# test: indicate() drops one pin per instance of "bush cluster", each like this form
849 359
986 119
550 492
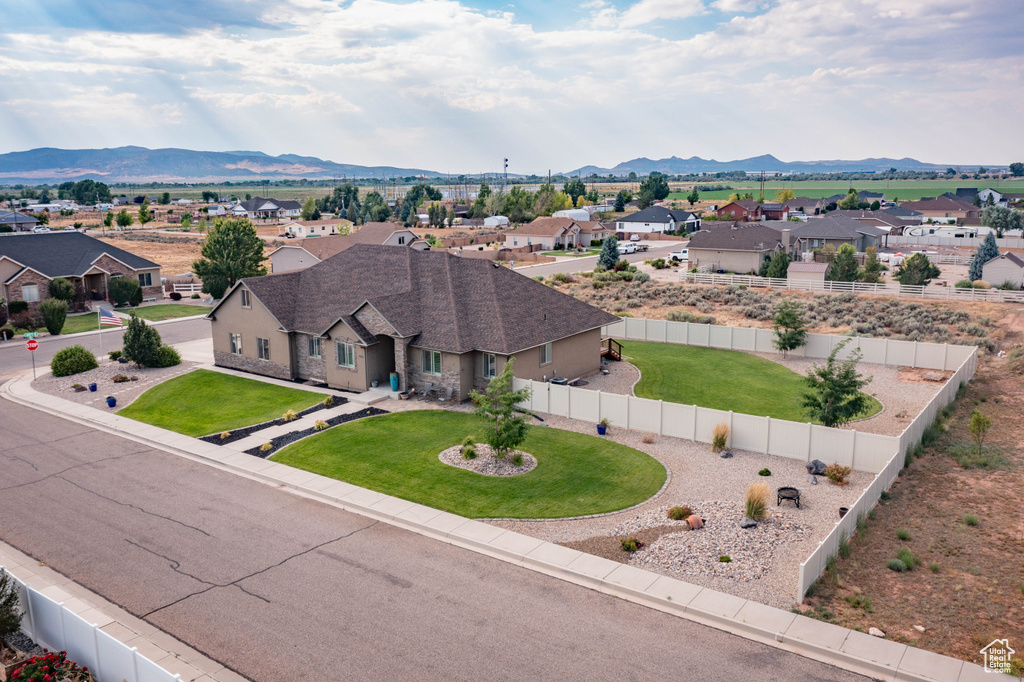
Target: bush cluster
72 360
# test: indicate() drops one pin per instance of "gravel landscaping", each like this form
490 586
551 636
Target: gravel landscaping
767 559
103 377
486 463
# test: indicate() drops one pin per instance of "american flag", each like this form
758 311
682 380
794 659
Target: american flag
109 318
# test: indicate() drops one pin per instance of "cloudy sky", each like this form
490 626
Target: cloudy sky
456 86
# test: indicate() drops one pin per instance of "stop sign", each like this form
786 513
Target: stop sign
32 344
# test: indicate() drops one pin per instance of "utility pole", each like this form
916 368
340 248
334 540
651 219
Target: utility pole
504 182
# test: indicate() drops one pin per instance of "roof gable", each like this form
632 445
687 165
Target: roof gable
65 253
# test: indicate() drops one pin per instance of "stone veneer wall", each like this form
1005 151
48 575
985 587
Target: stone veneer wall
311 368
264 367
29 277
374 322
450 375
402 363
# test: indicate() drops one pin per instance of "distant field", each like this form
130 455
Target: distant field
902 190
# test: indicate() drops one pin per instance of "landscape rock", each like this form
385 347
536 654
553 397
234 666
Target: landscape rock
816 467
919 628
812 480
934 376
875 632
746 522
725 454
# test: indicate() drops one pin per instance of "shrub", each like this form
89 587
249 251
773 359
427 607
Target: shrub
62 289
266 447
194 296
903 534
141 343
15 307
167 357
725 559
933 567
114 355
517 459
964 284
679 513
719 437
469 451
837 473
971 519
320 425
27 320
647 439
896 565
51 666
764 472
860 601
224 435
289 416
121 379
72 360
908 558
885 496
125 290
630 544
641 277
328 401
757 498
54 312
10 613
658 264
468 440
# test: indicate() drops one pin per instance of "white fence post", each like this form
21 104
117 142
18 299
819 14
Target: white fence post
661 417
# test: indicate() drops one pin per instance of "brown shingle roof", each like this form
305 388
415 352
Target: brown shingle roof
740 237
370 233
448 303
942 203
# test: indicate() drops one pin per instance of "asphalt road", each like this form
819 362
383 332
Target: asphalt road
15 358
584 264
278 587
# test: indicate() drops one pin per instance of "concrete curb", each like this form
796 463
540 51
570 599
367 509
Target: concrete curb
841 647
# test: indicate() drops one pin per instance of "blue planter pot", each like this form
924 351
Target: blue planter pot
111 402
601 430
92 387
394 381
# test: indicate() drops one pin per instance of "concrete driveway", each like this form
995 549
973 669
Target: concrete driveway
279 587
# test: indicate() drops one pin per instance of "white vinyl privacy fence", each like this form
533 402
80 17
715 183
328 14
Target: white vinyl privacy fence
56 628
968 242
877 454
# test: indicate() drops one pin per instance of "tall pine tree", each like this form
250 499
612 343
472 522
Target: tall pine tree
987 250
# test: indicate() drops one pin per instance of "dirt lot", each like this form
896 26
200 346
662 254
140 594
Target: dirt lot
976 591
175 256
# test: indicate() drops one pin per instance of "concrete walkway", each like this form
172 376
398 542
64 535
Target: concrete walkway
847 649
307 422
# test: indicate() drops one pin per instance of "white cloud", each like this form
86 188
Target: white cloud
739 5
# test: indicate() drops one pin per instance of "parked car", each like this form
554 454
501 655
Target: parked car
635 238
41 229
627 247
680 255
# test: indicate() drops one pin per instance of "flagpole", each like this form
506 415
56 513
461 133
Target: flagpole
99 319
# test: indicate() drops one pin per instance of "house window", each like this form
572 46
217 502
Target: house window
246 299
236 344
432 362
545 354
263 349
490 365
315 347
146 279
30 292
346 354
401 240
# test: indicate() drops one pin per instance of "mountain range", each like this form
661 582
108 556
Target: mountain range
138 164
695 164
48 165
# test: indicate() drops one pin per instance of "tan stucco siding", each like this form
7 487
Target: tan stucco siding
7 269
740 262
573 357
1000 270
251 323
289 258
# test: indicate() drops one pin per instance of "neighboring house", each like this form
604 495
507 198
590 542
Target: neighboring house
316 228
299 255
966 194
259 208
863 196
182 202
657 219
740 248
1006 267
997 198
17 222
216 210
774 212
944 209
742 211
429 316
28 262
805 205
812 272
551 232
835 230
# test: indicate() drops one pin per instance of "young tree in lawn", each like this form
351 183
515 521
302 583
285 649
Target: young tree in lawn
987 250
835 397
609 253
124 219
497 404
141 343
10 613
779 266
844 268
979 426
790 326
916 270
872 267
231 251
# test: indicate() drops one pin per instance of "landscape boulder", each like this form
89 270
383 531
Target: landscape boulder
816 467
725 454
746 522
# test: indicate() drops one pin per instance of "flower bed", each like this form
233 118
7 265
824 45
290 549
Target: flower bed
290 438
239 434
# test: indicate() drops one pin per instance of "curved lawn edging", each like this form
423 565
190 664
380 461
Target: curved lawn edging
397 454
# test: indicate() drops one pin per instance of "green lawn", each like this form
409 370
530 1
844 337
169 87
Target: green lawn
719 379
590 252
397 454
904 190
81 323
166 311
204 402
